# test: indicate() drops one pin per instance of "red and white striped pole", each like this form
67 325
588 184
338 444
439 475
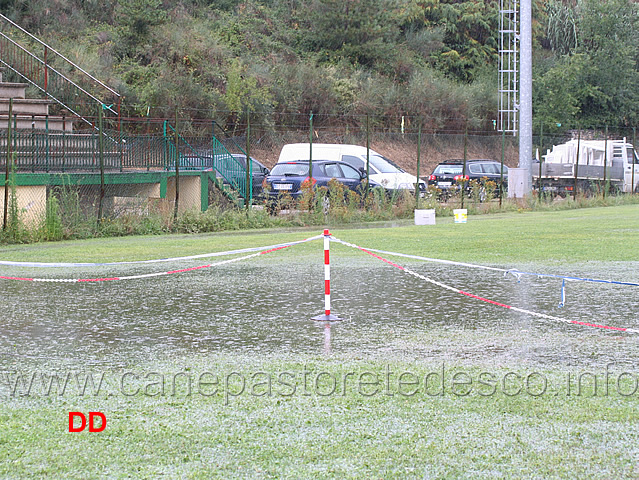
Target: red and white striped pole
327 317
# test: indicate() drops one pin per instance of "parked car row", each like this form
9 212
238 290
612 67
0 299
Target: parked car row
449 176
380 170
349 165
290 177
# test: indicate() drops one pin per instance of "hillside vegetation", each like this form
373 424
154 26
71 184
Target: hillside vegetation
342 59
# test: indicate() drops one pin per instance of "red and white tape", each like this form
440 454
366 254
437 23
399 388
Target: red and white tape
155 260
327 316
156 274
477 297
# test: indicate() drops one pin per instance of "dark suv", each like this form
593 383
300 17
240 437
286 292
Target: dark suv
447 175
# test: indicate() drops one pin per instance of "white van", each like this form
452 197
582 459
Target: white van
382 170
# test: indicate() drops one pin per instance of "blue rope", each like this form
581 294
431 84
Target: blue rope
577 279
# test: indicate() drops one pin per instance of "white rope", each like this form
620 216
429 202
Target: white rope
159 260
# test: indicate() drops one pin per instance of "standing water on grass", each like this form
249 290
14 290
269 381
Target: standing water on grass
264 306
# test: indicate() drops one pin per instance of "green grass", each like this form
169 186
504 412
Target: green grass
602 234
348 434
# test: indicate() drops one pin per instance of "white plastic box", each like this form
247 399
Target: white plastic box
425 217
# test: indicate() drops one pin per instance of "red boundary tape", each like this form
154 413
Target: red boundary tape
492 302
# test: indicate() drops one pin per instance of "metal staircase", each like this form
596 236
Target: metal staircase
55 76
28 113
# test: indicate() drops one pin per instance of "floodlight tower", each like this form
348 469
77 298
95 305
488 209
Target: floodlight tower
525 98
508 66
515 78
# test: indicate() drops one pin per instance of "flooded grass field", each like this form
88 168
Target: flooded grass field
264 306
221 373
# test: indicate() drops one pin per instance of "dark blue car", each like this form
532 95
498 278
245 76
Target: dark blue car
288 177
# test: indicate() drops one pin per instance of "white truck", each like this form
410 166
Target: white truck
593 163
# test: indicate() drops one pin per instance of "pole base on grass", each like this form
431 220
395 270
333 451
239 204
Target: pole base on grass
326 318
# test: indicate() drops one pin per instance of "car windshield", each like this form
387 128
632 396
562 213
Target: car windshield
383 164
448 170
290 169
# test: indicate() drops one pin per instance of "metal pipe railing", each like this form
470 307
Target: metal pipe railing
40 73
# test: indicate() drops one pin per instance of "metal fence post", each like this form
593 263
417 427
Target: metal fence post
33 144
574 188
368 155
46 146
634 147
177 167
605 185
541 146
419 144
165 140
310 150
501 169
463 175
15 139
6 176
120 144
101 151
146 142
249 177
64 156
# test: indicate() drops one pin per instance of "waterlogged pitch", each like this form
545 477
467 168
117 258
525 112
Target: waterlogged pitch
220 373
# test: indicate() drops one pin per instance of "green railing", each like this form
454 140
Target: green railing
208 153
48 151
35 151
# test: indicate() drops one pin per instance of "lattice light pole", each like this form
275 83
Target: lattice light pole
515 77
525 95
508 66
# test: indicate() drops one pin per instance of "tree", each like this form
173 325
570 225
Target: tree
558 92
137 17
243 93
470 36
361 31
598 75
562 27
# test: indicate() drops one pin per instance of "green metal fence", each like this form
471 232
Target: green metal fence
209 153
59 152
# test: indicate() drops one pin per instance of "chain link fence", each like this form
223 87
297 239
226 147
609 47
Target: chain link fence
62 183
